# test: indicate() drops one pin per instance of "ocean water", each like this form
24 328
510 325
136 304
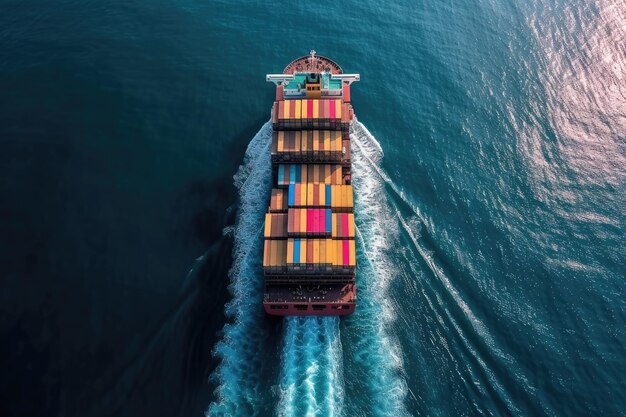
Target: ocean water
490 177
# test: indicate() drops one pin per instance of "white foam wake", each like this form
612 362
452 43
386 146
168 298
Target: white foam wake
377 352
239 386
311 380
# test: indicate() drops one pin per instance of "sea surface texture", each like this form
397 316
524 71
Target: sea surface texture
489 167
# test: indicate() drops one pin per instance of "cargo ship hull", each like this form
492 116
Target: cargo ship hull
309 254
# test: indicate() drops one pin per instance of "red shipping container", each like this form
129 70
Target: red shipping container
309 221
346 252
344 225
281 109
346 93
339 225
297 198
291 217
279 92
309 251
292 108
315 221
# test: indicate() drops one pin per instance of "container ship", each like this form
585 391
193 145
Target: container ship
309 252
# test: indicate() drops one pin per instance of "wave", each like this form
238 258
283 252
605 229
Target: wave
240 387
376 352
311 381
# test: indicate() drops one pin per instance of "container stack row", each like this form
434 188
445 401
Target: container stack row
317 254
309 227
338 197
307 146
310 114
314 173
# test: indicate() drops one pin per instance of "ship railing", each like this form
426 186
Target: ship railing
309 124
308 269
308 280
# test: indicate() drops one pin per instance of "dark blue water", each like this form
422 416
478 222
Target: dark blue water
489 167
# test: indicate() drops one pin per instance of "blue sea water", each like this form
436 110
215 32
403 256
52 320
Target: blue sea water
489 171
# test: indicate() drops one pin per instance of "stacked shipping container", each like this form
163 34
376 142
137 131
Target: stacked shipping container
310 114
312 173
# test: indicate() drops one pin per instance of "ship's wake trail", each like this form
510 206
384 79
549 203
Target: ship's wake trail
376 368
311 381
240 386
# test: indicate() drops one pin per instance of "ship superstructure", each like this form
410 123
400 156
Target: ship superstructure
309 255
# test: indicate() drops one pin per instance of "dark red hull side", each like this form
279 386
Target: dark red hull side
294 309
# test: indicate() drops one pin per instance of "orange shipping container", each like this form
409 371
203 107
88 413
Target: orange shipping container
351 225
350 196
305 109
281 109
298 108
303 221
352 253
316 108
290 251
268 225
266 253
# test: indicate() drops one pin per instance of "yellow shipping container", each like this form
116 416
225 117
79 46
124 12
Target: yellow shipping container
351 225
281 141
334 225
327 140
266 253
298 108
350 201
302 220
316 109
330 251
322 194
338 109
287 107
352 253
303 251
268 225
316 140
289 251
309 194
304 108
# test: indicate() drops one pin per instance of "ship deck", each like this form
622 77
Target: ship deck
317 63
323 293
